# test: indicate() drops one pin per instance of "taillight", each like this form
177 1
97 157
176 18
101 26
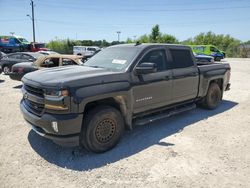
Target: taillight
17 69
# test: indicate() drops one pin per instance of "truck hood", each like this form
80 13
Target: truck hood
72 76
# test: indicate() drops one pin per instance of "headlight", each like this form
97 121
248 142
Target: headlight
57 93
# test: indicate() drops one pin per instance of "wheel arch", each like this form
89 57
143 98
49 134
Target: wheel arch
118 102
218 81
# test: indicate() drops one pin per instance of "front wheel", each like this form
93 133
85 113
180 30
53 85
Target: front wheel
213 97
102 129
217 58
6 70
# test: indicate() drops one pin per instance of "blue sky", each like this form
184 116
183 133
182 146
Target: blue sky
99 19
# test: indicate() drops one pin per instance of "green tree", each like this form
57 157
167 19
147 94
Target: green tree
144 39
166 38
129 40
155 34
224 42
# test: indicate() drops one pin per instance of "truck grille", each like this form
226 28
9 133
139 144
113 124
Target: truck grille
34 91
34 107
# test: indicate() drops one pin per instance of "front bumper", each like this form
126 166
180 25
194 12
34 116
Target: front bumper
69 126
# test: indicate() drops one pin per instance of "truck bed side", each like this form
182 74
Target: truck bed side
213 72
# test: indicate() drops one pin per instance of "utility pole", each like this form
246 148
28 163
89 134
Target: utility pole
33 21
12 33
118 33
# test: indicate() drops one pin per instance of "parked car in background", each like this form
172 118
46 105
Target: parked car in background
10 44
86 51
11 59
53 60
209 50
35 47
204 58
47 52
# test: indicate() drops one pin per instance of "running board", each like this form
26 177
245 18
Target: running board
165 114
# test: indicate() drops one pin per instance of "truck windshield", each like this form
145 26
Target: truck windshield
23 40
115 58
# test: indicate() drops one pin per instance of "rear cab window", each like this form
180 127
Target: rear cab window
181 58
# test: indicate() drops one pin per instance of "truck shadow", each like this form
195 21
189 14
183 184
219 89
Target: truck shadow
133 141
18 86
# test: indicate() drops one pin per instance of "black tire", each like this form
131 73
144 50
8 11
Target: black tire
213 97
217 58
102 129
6 69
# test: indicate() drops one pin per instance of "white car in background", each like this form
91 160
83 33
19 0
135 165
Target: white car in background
49 52
86 51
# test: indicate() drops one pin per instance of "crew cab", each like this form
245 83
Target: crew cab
118 88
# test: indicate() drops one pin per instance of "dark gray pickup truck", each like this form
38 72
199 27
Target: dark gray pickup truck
119 87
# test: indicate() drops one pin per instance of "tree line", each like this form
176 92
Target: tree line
232 46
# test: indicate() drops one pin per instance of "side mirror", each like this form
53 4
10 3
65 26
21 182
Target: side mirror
146 68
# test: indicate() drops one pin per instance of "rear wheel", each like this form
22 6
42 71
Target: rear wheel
213 97
102 129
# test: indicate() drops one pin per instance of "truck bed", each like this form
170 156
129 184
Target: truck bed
212 71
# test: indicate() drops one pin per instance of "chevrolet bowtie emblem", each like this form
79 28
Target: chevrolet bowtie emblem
25 96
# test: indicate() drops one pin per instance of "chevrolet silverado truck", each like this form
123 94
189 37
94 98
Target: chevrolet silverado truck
118 88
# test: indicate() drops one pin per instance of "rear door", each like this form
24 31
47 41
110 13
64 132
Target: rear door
26 58
185 75
14 58
153 90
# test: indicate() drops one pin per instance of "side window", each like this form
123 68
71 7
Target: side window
181 58
14 56
50 62
158 57
16 41
199 48
27 57
66 61
213 49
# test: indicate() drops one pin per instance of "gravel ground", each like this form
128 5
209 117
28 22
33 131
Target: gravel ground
195 149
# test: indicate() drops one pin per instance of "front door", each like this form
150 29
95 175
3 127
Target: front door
153 90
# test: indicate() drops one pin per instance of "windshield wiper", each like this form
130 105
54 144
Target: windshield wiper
94 66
